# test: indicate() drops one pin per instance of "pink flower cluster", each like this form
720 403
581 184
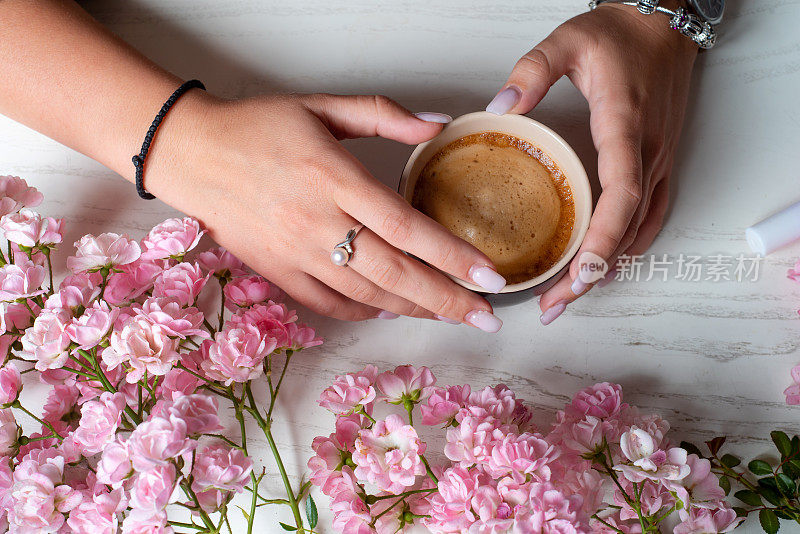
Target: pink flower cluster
502 475
131 423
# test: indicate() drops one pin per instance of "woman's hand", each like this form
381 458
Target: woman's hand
634 71
269 179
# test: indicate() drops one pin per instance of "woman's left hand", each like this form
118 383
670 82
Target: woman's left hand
634 71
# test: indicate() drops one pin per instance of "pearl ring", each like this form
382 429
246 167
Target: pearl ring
342 252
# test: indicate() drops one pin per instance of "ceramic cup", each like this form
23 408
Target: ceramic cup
554 147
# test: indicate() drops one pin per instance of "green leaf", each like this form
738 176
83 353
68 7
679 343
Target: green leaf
730 460
311 512
748 497
725 484
795 445
244 513
769 521
786 485
792 469
740 512
782 442
284 526
769 490
691 448
759 467
783 515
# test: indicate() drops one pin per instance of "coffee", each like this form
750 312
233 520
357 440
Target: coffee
503 195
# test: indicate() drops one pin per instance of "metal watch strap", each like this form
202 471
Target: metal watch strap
689 24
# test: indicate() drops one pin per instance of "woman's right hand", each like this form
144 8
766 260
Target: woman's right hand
270 181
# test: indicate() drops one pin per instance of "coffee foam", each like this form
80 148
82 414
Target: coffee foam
503 195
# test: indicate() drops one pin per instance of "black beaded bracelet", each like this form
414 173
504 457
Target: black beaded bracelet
138 159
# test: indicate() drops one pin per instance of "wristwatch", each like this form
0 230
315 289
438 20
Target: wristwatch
696 26
709 10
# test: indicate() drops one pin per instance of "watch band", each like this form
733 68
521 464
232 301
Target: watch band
689 24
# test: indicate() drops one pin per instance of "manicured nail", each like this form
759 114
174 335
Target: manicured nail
483 320
608 278
504 101
387 315
579 286
487 278
552 313
429 116
445 319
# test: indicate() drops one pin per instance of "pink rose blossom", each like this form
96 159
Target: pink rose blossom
91 327
498 401
27 228
236 354
523 457
177 383
302 336
653 497
143 346
615 525
551 512
47 340
351 391
221 262
62 404
152 489
157 441
10 384
332 452
601 400
406 383
114 466
133 280
6 483
40 497
451 506
137 522
21 280
705 521
351 515
444 404
271 320
699 489
649 462
9 432
99 422
103 251
75 291
98 515
220 471
246 291
183 283
14 316
15 193
472 440
176 320
388 454
198 411
172 238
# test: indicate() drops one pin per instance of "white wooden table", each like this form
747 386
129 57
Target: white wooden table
711 357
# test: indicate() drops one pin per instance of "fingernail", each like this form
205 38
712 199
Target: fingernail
487 278
552 313
483 320
387 315
504 101
579 286
430 116
608 278
445 319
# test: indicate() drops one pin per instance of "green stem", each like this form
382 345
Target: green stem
265 427
274 393
615 529
187 489
16 404
46 252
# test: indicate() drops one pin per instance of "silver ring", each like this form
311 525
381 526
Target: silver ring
342 252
